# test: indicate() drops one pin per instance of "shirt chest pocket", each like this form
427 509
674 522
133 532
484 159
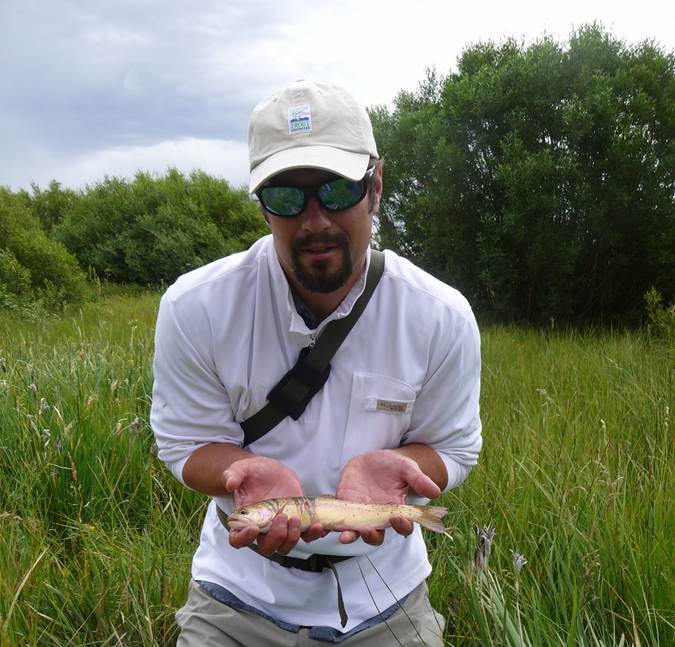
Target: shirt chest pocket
380 410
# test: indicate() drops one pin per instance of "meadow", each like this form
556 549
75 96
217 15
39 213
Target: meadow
576 478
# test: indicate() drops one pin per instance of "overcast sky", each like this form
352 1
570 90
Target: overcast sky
93 87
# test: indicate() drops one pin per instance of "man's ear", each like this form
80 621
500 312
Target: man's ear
377 194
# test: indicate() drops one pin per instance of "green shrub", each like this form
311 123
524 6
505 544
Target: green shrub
151 230
172 240
661 317
33 267
14 277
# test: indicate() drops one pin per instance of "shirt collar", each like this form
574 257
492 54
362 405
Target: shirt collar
281 290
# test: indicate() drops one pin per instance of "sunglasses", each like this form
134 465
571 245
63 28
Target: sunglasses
336 195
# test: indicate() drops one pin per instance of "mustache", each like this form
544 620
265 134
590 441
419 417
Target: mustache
337 239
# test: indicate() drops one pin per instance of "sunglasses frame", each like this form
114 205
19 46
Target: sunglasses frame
308 191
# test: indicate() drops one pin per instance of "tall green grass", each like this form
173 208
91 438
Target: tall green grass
576 474
96 537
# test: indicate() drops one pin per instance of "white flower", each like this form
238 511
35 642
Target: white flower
135 426
518 561
484 537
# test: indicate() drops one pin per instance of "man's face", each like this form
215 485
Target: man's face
322 251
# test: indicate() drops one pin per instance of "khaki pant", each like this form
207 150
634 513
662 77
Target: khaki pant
205 622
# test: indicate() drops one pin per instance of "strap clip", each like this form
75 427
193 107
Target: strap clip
292 393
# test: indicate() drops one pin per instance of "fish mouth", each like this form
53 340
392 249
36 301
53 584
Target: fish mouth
237 521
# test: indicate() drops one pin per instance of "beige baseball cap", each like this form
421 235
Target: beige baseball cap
309 124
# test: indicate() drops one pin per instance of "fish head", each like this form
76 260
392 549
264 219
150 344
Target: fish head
256 514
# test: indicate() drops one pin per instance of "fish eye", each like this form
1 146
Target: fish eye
244 511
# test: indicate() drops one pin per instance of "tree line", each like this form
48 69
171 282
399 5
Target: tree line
538 179
145 231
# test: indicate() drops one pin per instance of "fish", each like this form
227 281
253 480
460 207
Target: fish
335 514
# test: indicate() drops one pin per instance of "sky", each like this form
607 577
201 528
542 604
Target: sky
96 88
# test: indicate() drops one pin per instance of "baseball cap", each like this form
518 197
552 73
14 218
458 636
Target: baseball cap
309 124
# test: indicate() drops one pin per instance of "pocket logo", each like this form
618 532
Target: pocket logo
391 406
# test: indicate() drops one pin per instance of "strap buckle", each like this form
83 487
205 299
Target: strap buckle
292 393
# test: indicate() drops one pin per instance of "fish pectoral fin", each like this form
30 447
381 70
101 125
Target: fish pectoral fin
338 525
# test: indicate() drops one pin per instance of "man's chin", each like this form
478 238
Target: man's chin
319 277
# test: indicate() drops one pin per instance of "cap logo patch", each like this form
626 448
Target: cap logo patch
299 119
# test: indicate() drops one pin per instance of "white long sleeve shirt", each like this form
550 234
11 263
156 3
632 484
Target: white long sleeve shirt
408 372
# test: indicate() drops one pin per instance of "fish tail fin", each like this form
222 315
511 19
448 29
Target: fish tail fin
432 518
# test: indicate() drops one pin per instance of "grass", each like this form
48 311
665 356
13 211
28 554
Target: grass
576 474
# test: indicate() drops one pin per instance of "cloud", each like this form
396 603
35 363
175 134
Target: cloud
219 158
125 75
89 83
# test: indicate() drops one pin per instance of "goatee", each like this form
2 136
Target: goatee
318 277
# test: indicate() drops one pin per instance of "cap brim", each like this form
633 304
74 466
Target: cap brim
348 164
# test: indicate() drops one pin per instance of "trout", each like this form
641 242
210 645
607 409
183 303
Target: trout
334 514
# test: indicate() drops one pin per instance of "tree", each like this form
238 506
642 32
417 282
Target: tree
48 205
539 180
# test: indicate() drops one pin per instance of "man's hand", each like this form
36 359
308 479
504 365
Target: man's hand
257 478
383 476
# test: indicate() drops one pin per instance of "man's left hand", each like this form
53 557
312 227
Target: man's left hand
383 476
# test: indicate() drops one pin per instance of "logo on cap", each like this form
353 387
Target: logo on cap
299 120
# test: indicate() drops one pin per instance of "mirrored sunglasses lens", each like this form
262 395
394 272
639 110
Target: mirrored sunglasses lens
282 200
340 194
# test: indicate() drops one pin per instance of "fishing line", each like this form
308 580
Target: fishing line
438 624
394 596
372 597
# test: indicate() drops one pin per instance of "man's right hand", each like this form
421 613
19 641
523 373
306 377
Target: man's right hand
257 478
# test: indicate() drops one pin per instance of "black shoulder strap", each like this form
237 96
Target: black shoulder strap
292 394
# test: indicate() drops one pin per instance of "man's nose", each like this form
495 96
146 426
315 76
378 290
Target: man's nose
315 218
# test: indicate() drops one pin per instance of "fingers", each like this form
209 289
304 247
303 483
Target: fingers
281 537
370 536
244 537
348 536
401 525
292 537
275 536
375 537
421 483
231 480
315 531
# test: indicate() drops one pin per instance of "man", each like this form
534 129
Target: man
396 420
